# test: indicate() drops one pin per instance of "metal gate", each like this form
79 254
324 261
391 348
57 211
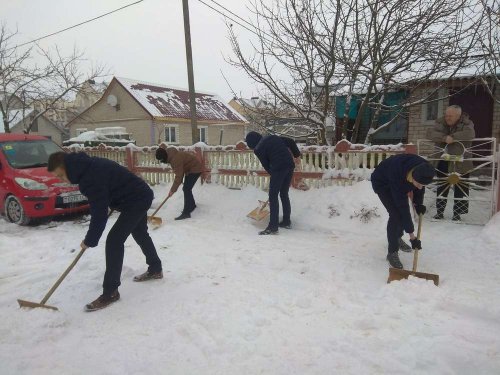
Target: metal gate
465 188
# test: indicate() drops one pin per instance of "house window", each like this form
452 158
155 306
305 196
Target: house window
170 134
203 134
80 131
432 107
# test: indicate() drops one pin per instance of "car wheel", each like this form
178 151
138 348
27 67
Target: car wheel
14 211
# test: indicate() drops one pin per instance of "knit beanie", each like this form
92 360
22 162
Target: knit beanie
252 139
424 173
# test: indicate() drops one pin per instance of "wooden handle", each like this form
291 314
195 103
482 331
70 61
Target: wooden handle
160 206
264 205
415 252
59 281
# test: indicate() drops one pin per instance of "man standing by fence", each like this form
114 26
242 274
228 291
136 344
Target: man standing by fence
453 133
276 156
185 166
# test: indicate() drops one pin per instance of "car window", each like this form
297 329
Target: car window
28 154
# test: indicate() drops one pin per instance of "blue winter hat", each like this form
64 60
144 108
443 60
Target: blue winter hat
424 173
252 139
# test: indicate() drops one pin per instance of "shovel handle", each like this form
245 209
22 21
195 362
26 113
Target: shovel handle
65 273
61 278
161 205
264 205
415 251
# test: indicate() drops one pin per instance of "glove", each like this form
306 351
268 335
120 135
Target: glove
416 244
420 209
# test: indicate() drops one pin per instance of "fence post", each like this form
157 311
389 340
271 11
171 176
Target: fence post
205 172
130 159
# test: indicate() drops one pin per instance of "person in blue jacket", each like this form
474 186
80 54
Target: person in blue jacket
276 156
392 180
108 185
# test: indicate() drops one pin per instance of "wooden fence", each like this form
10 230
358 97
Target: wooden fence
237 166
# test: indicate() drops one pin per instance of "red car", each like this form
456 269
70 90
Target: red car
27 190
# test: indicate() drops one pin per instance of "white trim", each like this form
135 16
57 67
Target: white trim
439 113
176 133
206 133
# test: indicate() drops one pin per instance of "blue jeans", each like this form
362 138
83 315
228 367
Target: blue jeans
279 185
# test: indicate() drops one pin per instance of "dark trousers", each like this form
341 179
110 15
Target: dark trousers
460 207
394 226
129 222
279 185
187 188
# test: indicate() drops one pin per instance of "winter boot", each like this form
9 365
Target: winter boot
394 261
403 246
268 231
286 225
184 215
438 216
456 217
103 301
148 276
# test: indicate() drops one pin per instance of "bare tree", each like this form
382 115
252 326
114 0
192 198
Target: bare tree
360 49
490 44
407 44
24 84
295 54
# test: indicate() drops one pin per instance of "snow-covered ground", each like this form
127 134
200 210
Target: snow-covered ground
312 300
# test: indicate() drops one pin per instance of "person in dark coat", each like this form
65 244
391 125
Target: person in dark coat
392 180
276 156
108 185
187 169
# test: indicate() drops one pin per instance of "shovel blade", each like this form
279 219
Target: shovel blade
155 220
397 274
34 305
258 214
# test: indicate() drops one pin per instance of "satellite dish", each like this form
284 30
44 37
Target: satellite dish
112 100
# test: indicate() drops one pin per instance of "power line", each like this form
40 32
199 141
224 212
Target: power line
79 24
233 20
244 20
234 14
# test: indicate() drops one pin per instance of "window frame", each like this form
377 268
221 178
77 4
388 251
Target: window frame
205 130
169 128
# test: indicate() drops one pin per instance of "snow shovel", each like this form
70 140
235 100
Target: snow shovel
156 220
260 212
33 305
397 274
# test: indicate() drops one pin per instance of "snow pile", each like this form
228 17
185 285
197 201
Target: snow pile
312 300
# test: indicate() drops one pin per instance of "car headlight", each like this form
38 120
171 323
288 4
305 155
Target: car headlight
30 184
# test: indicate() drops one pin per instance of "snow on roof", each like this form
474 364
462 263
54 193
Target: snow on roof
162 101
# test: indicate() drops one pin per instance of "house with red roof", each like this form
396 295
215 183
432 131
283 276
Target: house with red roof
153 113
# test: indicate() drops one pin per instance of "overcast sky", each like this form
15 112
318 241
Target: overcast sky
144 41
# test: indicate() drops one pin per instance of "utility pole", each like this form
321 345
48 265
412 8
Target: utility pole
189 60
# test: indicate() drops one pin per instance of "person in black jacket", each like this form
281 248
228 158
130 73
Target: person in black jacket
276 156
392 180
107 184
